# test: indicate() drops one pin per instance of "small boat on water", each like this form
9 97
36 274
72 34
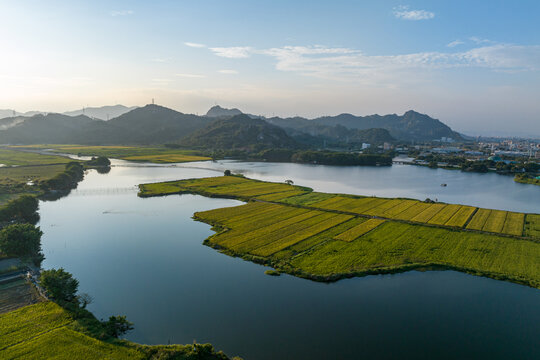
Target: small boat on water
443 185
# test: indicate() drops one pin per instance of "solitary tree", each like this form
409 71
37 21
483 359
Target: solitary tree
117 326
227 173
289 182
21 240
60 284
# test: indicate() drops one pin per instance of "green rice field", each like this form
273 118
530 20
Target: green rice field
328 236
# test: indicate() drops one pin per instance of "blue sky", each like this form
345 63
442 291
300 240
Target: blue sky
473 64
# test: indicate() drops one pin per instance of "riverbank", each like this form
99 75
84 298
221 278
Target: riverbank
45 330
302 233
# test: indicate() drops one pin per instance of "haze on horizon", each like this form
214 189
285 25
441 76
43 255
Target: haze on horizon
474 66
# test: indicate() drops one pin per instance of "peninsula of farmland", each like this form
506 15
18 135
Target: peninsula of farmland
326 237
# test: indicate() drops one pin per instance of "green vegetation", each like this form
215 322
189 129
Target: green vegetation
359 230
21 158
21 209
21 241
99 161
414 211
340 158
131 153
532 225
327 237
66 180
60 285
527 179
45 330
15 179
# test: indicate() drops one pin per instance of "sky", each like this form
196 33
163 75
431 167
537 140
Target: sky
475 65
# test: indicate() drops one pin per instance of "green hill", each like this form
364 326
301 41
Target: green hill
240 132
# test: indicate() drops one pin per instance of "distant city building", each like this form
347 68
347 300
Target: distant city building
365 146
387 146
446 150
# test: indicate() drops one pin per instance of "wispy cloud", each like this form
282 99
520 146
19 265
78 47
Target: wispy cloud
455 43
350 64
195 45
228 72
234 52
122 12
403 12
194 76
480 41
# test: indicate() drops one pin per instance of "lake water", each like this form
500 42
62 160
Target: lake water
144 258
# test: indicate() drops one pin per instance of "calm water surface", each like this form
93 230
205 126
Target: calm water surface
144 258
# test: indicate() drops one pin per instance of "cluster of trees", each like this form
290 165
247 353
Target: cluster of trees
324 157
62 287
100 161
22 241
22 209
340 158
66 180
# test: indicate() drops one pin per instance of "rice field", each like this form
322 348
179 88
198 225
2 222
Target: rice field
224 186
532 225
414 211
497 221
460 218
393 245
359 230
327 236
46 331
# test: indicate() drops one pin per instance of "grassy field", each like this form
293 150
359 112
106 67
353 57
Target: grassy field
20 158
12 176
329 236
46 331
132 153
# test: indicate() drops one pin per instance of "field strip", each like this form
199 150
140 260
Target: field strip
230 238
295 238
359 230
35 336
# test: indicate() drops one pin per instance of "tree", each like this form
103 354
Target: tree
227 173
22 209
117 326
289 182
60 284
21 240
84 300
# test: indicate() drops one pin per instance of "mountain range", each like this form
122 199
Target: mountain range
101 113
220 128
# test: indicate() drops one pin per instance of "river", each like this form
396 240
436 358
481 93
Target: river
144 258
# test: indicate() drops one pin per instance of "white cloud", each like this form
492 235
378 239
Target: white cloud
195 45
122 12
351 64
194 76
455 43
479 41
234 52
403 12
228 72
